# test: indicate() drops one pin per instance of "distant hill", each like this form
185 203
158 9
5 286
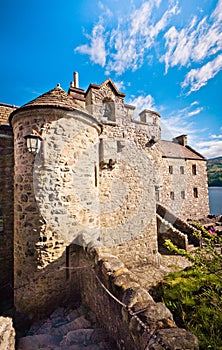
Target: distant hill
214 171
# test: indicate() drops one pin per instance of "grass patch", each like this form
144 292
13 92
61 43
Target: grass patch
194 295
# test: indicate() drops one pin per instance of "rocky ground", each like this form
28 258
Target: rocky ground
148 275
213 221
67 330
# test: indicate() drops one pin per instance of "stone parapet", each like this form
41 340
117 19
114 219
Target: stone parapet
123 308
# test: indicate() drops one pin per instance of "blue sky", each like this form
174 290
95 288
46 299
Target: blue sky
164 55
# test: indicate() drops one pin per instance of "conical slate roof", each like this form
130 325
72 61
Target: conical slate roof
56 97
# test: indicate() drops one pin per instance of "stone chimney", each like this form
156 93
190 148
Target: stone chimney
182 140
76 79
77 93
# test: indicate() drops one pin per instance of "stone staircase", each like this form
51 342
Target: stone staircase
67 330
173 228
166 226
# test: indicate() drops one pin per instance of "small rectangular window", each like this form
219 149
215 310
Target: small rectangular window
157 193
172 195
96 176
194 169
195 192
183 194
182 170
170 169
1 221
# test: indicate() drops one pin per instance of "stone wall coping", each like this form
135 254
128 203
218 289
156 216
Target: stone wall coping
150 111
129 106
143 317
109 122
141 123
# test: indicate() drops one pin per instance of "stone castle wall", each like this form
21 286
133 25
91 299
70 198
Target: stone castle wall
6 211
176 190
55 200
70 188
127 196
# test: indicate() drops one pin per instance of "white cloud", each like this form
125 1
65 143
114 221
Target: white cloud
142 102
194 103
179 45
210 149
120 85
105 9
198 42
218 11
176 125
195 112
180 122
196 78
216 136
132 38
96 50
135 38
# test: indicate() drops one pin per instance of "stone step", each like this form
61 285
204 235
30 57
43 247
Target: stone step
84 337
38 341
79 323
66 330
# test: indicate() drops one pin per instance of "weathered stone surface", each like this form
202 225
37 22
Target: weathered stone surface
185 204
7 334
38 341
78 323
174 339
92 184
6 212
156 312
84 337
59 331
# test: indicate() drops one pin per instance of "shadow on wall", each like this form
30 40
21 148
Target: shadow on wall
101 281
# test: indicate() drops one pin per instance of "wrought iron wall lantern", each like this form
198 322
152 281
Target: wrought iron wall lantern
33 143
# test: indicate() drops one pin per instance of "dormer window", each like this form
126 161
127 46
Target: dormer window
108 112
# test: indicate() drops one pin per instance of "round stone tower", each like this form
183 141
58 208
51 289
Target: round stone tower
56 197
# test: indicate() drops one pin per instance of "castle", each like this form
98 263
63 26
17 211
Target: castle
78 167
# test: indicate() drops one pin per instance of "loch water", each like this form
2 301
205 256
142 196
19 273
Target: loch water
215 199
